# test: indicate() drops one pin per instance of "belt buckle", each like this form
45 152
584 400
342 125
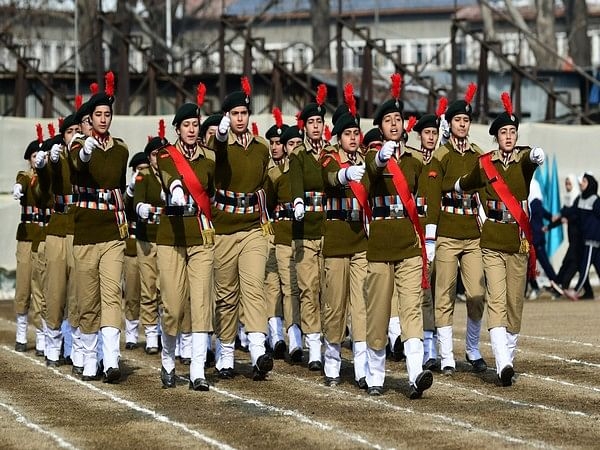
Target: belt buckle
466 202
506 216
396 210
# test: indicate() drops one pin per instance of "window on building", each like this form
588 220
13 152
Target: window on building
419 59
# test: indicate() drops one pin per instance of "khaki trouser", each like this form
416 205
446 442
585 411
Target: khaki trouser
149 295
72 305
240 261
286 267
186 280
131 288
309 266
344 290
38 279
59 282
273 294
99 271
428 304
23 277
381 278
448 253
506 278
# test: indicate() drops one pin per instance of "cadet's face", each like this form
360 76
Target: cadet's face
459 126
292 144
583 184
392 126
568 185
350 139
507 138
212 130
153 159
86 126
32 159
70 132
188 131
239 119
314 128
429 137
277 149
101 119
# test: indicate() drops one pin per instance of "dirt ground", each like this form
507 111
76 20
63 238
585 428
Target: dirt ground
555 402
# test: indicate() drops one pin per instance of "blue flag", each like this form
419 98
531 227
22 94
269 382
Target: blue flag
552 203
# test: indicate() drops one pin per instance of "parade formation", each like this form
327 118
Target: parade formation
285 246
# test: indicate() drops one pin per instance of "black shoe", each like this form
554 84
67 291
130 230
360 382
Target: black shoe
362 383
151 350
96 376
279 350
210 359
430 364
238 345
506 376
112 375
131 345
264 364
185 361
479 365
39 353
375 390
398 350
199 384
422 383
315 366
77 370
167 378
226 374
52 363
448 371
68 361
20 347
297 355
332 381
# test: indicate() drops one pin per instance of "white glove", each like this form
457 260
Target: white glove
177 195
143 210
223 129
131 186
86 151
430 249
17 191
40 159
385 153
537 156
298 209
430 231
352 173
444 128
55 153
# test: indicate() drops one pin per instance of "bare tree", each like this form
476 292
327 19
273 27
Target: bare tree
489 31
90 37
320 14
576 17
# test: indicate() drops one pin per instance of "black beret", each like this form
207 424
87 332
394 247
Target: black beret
49 143
312 109
186 111
275 131
68 122
344 122
237 98
214 119
503 120
373 135
458 107
137 159
100 99
291 133
33 147
84 110
426 121
156 143
389 106
340 110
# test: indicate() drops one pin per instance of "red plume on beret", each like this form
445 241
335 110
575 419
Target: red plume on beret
161 128
109 84
396 88
442 105
327 133
412 121
78 101
61 120
246 86
299 121
149 138
321 94
471 89
94 88
40 132
51 130
278 117
349 98
506 101
200 94
255 129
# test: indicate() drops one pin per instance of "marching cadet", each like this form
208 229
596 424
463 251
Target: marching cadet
100 161
292 138
131 272
149 206
345 246
396 251
27 232
457 238
506 242
307 229
185 244
209 126
372 140
281 266
241 223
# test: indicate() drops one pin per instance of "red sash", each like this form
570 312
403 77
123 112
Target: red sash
513 205
190 180
411 207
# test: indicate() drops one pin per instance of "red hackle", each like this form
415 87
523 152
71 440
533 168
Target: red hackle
40 132
200 94
299 121
412 121
349 98
78 101
327 133
396 88
109 84
321 94
61 120
149 138
442 106
94 88
254 128
361 136
470 94
51 130
161 128
278 117
246 86
507 102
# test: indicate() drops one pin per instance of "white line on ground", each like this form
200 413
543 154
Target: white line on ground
129 404
561 341
29 424
562 382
